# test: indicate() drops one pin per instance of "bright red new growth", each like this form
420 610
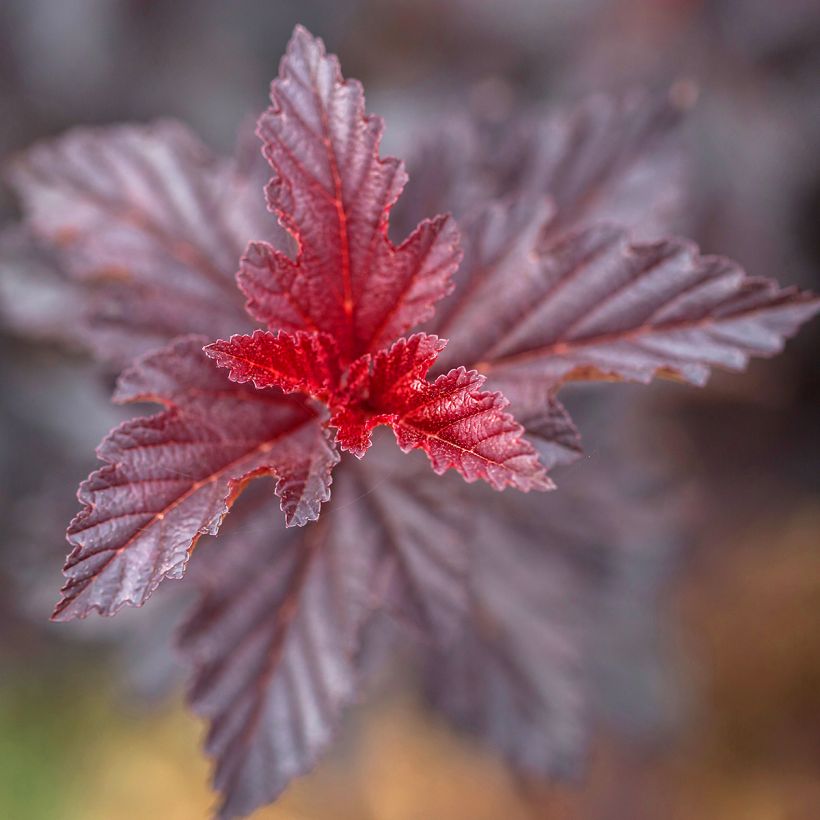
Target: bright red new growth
333 193
300 362
455 423
350 292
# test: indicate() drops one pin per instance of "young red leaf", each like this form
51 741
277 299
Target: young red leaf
303 362
455 423
172 477
334 193
378 387
459 426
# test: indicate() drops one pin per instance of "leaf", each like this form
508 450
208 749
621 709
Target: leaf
275 642
425 541
173 476
604 307
555 583
608 158
378 389
495 280
149 224
455 423
36 300
517 677
334 193
274 645
461 427
299 362
552 432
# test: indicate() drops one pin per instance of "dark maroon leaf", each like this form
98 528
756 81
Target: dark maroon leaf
274 646
149 224
275 641
171 477
612 158
597 306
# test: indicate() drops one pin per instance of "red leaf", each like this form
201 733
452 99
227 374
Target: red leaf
334 193
172 477
303 362
461 427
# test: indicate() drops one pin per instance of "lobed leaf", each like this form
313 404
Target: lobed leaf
608 158
274 647
596 305
459 426
276 641
172 477
299 362
333 193
601 306
455 423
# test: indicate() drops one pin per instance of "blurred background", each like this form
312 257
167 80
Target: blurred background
91 719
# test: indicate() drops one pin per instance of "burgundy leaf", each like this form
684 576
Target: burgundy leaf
274 645
36 298
151 223
495 280
517 677
172 477
425 541
555 583
334 193
552 432
303 362
612 158
601 306
275 641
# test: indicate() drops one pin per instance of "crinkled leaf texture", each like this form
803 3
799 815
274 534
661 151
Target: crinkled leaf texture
600 306
611 157
594 305
334 193
274 645
173 476
451 419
